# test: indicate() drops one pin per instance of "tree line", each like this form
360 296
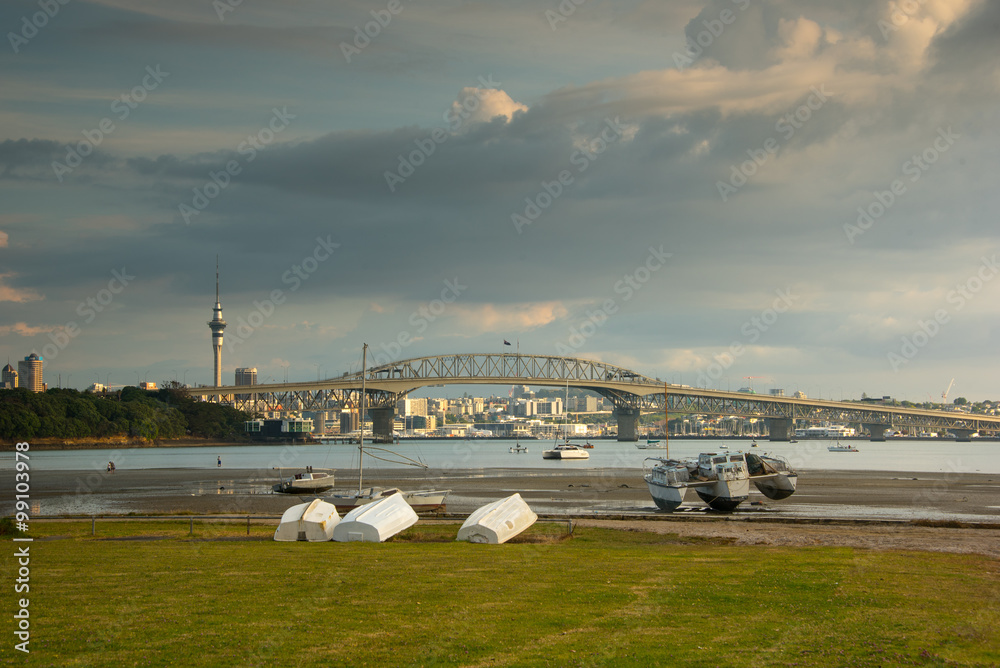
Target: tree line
132 412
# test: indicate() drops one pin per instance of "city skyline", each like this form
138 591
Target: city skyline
776 194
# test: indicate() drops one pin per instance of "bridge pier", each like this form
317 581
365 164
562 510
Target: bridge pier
628 423
382 419
876 432
962 435
780 429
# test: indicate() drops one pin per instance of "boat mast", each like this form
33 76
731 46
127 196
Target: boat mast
361 417
666 423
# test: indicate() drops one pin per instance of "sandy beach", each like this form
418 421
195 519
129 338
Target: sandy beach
953 512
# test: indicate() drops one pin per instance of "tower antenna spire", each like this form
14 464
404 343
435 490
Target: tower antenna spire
216 278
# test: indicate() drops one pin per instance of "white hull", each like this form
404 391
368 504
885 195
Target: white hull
666 497
376 521
725 494
425 500
566 451
313 522
497 522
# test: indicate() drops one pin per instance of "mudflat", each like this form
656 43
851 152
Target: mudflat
877 509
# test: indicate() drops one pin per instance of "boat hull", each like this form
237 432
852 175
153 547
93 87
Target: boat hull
666 497
725 495
422 501
565 454
777 487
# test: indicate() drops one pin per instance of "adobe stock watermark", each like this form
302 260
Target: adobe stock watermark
786 125
915 167
426 147
38 20
223 7
122 107
372 29
88 310
294 277
420 320
552 190
751 330
219 181
627 286
562 12
900 14
958 297
694 48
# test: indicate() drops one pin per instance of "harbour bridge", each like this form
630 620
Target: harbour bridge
631 393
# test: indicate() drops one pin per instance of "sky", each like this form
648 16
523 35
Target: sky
778 193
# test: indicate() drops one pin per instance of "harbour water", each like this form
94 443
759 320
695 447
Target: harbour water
916 456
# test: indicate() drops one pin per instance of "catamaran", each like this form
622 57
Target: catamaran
722 480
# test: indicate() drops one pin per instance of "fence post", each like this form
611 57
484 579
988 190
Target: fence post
93 526
191 530
248 525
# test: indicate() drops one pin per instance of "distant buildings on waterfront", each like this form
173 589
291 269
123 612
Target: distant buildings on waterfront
28 375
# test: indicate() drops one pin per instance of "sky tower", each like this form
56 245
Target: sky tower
217 324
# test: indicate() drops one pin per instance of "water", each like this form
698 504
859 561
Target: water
912 456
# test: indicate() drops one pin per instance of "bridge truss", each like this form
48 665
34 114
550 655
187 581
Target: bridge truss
630 392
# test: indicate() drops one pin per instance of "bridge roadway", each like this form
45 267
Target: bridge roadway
630 392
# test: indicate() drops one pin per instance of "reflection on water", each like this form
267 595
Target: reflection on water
448 454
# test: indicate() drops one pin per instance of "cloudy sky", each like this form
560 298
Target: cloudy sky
793 190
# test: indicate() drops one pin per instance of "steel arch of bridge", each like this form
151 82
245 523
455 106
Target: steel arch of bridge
387 383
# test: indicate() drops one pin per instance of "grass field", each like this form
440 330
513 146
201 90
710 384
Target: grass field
146 593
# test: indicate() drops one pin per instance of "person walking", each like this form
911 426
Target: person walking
220 462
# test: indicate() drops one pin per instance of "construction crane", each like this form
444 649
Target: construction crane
944 395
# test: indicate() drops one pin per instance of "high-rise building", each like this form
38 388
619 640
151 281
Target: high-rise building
217 324
8 380
412 406
29 373
246 375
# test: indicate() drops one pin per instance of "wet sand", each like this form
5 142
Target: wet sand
876 510
821 495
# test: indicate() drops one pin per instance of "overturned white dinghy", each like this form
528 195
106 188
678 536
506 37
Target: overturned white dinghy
313 522
498 522
375 522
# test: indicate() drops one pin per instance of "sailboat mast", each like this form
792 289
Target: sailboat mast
361 417
666 423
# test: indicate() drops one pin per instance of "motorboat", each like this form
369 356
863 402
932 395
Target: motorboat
566 451
311 481
842 448
722 480
497 522
518 448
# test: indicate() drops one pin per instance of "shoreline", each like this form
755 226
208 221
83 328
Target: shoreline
124 443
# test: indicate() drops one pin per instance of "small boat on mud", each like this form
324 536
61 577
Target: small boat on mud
312 481
421 500
720 480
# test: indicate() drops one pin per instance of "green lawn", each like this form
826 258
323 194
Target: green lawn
601 597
